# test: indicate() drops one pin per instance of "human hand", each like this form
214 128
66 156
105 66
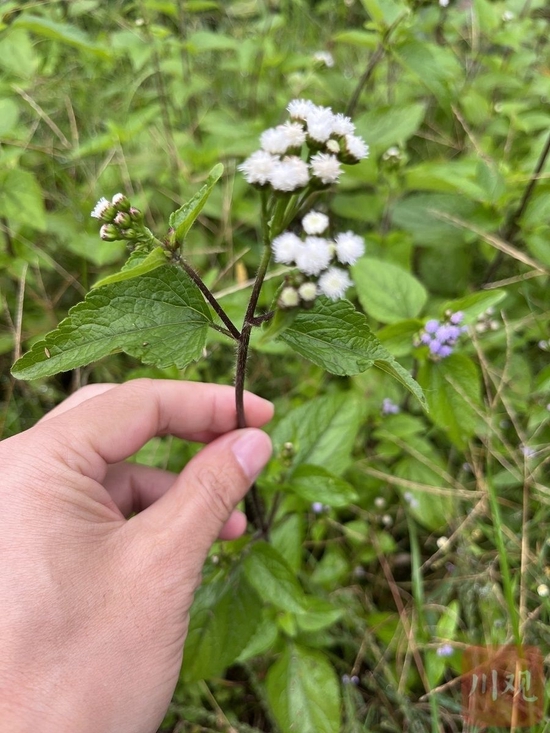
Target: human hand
94 606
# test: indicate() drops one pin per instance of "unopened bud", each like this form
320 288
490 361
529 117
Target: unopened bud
308 291
129 234
109 233
136 215
288 450
121 202
289 298
122 220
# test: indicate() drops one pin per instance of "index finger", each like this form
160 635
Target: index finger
112 426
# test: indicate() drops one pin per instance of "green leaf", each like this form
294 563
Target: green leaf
21 199
420 213
160 318
452 387
224 617
475 304
62 32
9 115
398 337
336 337
303 692
272 578
432 510
318 614
133 268
182 219
387 292
315 483
322 431
392 125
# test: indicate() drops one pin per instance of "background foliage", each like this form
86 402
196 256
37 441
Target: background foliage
433 527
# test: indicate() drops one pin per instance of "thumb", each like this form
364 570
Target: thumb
201 500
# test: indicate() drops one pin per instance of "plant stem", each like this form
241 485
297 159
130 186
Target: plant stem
231 329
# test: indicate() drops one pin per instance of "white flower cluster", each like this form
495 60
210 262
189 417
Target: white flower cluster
330 140
313 256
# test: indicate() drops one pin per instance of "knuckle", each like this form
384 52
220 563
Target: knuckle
214 493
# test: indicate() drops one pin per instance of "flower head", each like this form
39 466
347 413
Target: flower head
258 167
389 407
334 282
445 650
315 222
289 174
342 125
289 298
298 109
285 247
101 208
313 255
326 167
356 147
320 123
349 247
308 291
324 57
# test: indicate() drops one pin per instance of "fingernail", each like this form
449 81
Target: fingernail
252 450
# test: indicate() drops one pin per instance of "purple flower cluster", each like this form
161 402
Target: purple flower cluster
441 336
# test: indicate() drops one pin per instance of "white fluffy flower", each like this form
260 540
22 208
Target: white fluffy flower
313 255
324 57
308 291
320 123
334 282
294 133
118 198
100 208
443 3
326 167
274 140
356 146
258 167
289 174
314 222
298 109
342 125
285 247
349 247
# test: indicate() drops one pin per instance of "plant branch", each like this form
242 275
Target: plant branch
231 329
512 226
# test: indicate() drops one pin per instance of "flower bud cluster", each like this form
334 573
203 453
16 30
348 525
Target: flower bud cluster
313 256
329 141
123 221
441 337
486 321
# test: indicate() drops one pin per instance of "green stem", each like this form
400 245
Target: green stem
503 560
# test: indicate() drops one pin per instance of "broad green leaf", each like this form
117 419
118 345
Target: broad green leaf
263 640
318 614
182 219
322 431
357 38
452 387
149 262
336 337
432 510
272 578
21 199
62 32
475 304
315 483
303 692
17 53
385 12
393 125
420 214
160 318
398 338
387 292
224 617
287 538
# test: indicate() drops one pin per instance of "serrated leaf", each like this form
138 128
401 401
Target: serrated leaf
136 267
315 483
388 292
272 578
303 692
474 304
337 337
322 431
224 617
160 318
452 387
182 220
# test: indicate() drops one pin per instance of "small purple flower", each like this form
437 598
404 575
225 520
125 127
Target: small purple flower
456 318
445 650
435 347
425 338
354 679
389 407
445 351
431 326
317 507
